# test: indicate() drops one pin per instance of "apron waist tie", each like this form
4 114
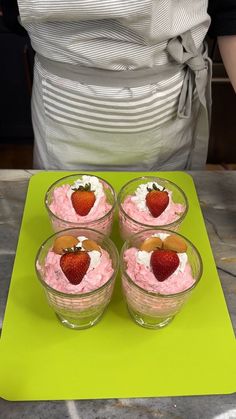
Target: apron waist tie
110 78
183 50
198 76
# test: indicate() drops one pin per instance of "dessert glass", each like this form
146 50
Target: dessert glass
83 310
103 224
130 225
151 309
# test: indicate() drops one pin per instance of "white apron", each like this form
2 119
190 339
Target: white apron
148 118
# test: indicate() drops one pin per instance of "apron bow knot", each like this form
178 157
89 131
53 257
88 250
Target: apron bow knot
183 50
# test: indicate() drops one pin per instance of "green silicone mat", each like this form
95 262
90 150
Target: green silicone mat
42 360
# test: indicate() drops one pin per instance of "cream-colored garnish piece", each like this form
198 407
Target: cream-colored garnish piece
64 242
151 244
90 245
175 243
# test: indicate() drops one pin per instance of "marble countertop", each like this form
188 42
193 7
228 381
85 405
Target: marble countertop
216 191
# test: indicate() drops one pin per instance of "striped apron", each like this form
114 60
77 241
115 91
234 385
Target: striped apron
153 118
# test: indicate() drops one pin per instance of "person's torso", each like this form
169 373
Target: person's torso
128 41
66 109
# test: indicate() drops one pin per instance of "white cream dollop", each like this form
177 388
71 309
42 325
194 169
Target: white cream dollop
183 259
143 258
95 255
161 236
140 195
81 239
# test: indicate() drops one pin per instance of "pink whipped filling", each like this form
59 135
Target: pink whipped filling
144 277
170 214
62 207
93 279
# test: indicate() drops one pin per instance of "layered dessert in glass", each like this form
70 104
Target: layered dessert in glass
160 269
150 201
81 200
77 269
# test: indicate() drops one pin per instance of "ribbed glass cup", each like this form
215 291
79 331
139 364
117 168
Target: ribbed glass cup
151 309
83 310
129 225
103 224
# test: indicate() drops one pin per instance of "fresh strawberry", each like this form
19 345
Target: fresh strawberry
83 199
164 263
74 263
156 200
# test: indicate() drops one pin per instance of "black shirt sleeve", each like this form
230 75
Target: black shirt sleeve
223 15
10 13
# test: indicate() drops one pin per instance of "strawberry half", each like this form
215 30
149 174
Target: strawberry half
164 263
83 199
74 264
156 200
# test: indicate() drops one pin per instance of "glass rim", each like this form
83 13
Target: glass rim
183 215
73 295
72 223
152 293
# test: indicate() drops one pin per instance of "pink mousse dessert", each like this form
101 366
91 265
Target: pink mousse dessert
81 200
158 276
149 202
78 276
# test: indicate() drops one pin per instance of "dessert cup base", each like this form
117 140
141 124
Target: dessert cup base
79 324
149 322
